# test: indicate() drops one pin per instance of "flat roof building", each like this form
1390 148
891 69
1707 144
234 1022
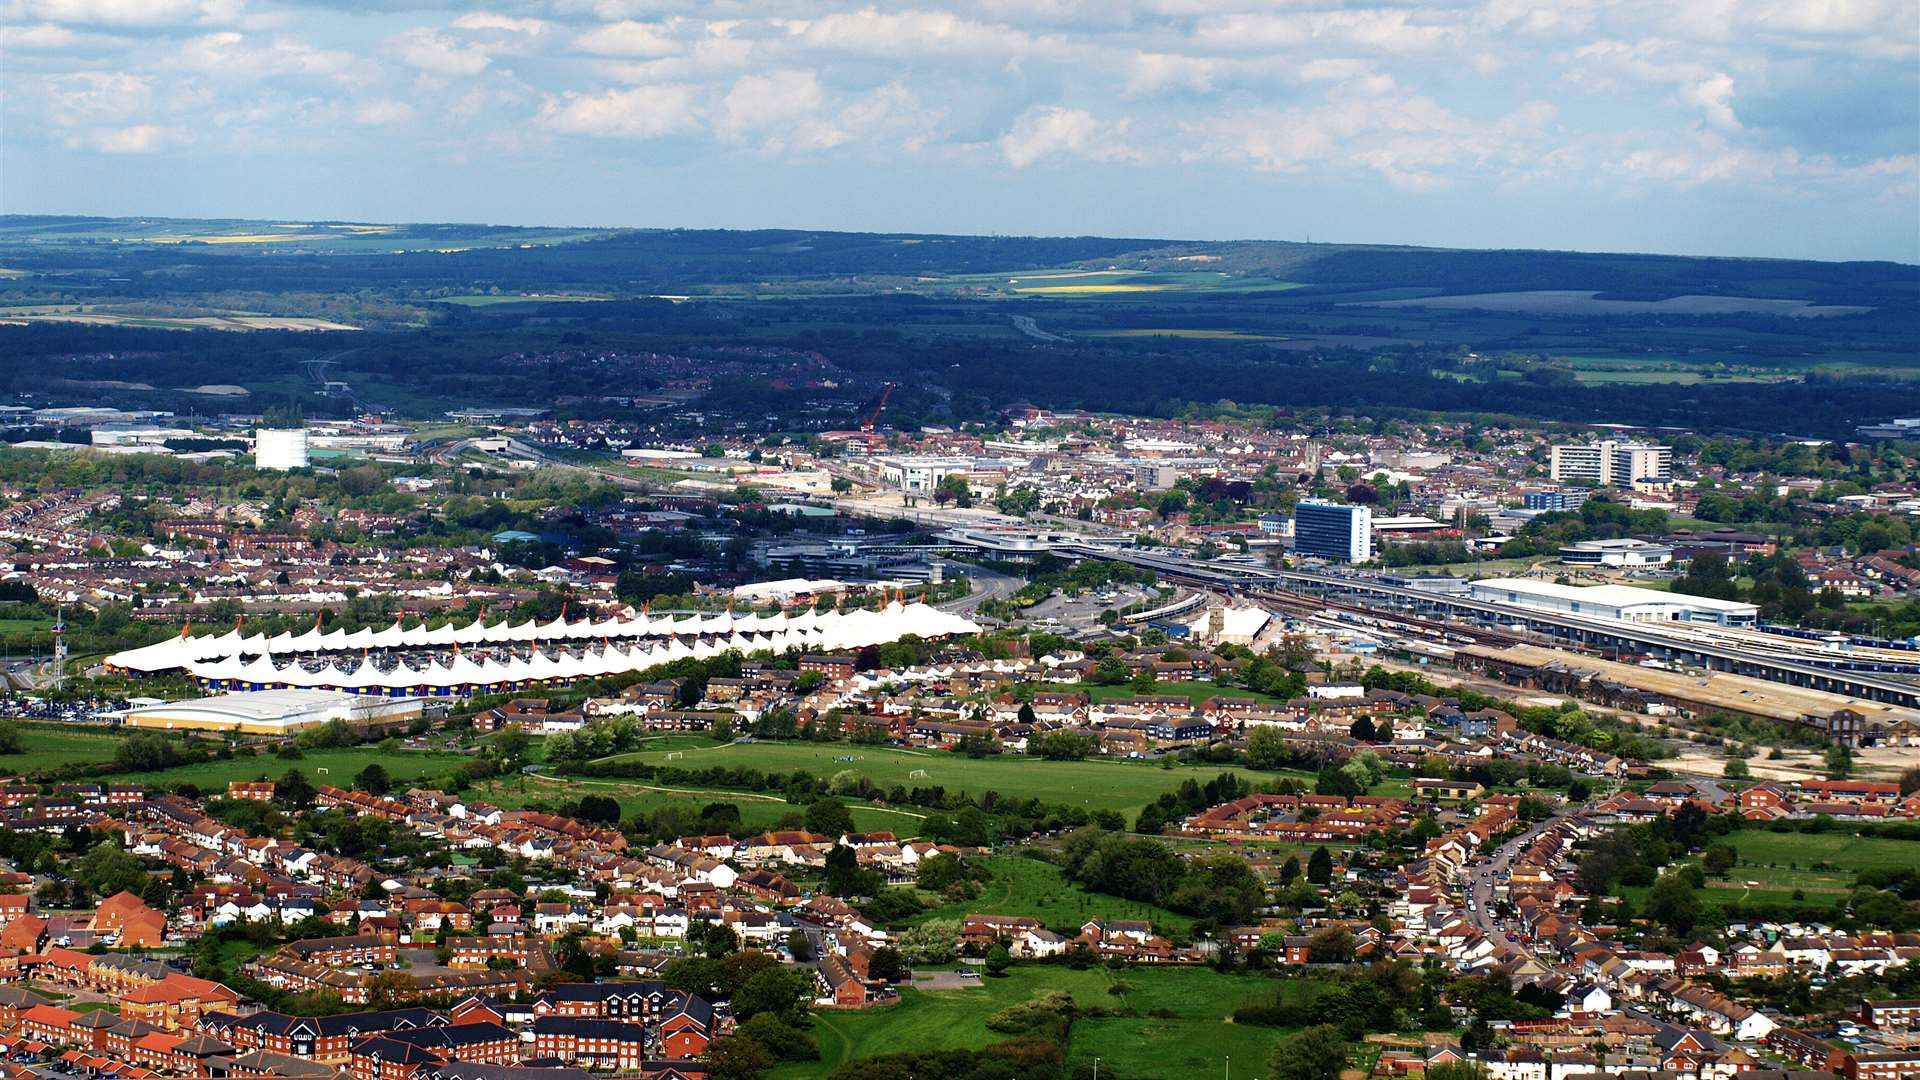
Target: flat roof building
270 712
1623 602
1616 463
1616 553
1333 531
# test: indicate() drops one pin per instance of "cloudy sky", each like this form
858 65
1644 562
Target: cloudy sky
1750 127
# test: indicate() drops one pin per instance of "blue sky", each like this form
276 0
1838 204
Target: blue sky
1742 127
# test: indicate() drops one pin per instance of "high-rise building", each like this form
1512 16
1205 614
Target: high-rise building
280 448
1609 462
1333 531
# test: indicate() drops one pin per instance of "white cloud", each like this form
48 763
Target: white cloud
229 54
644 112
435 55
1045 131
628 38
893 33
86 98
131 12
382 111
43 36
137 139
757 102
488 20
1154 72
1713 95
1391 31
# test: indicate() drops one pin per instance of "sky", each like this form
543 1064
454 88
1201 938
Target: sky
1783 128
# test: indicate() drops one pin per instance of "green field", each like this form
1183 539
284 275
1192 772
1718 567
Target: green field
1125 786
323 767
1022 886
48 746
496 299
1192 1038
1080 283
758 812
1786 860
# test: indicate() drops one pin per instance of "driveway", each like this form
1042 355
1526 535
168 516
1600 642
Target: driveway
944 980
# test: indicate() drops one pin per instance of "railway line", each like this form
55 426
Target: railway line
1870 675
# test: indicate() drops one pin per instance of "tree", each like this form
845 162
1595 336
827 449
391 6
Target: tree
829 817
1333 945
107 869
373 780
1839 762
998 959
1315 1053
390 989
777 990
887 965
1719 859
737 1058
931 942
1267 748
1363 730
781 1038
294 789
10 742
1909 782
1674 902
510 745
1110 671
1736 769
1320 866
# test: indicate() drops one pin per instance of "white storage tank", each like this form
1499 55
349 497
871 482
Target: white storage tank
280 448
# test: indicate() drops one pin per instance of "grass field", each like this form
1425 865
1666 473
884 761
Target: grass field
1022 886
1191 1039
1098 785
1185 334
758 812
1787 860
48 746
493 300
335 767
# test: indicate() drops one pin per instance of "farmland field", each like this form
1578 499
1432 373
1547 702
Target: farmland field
1192 1037
1098 785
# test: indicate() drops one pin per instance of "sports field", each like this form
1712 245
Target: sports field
1125 786
1814 862
49 746
758 811
335 767
1191 1038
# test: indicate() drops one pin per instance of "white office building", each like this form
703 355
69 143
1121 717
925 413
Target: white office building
1333 531
920 472
280 449
1616 463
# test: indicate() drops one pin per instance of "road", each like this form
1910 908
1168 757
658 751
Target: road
987 585
1483 874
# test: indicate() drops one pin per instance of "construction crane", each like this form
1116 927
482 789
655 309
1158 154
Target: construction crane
866 422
